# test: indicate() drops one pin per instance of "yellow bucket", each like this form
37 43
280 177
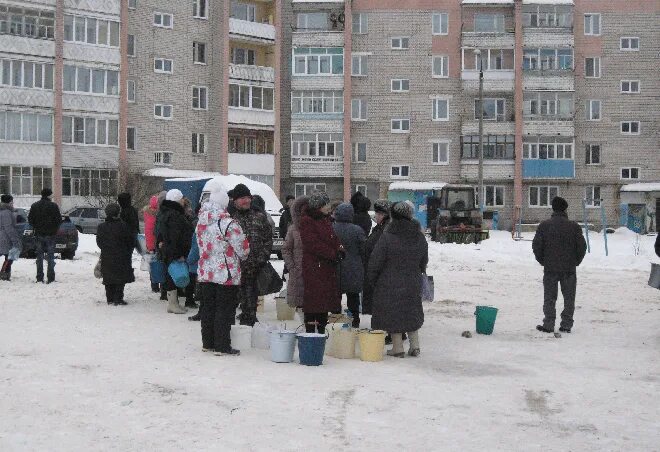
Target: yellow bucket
284 311
372 345
342 343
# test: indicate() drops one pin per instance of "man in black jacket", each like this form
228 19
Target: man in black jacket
361 205
45 219
285 219
128 213
560 247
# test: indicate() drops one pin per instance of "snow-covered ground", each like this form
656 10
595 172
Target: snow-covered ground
76 374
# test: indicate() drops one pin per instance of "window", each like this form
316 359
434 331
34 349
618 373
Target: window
163 20
360 23
130 138
306 102
592 67
91 131
132 4
630 86
85 80
630 173
440 109
592 24
495 147
548 148
162 111
162 158
199 53
440 66
399 85
247 96
629 44
493 196
440 152
543 59
29 127
439 23
88 30
25 74
400 125
199 9
493 110
242 56
163 66
359 152
593 110
358 109
361 188
400 43
547 16
592 196
24 180
130 90
313 21
542 196
592 154
198 143
489 23
130 47
248 143
199 97
317 146
31 23
630 127
88 182
399 171
548 105
360 66
243 11
321 61
308 189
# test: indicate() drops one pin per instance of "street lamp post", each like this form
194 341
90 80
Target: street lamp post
477 52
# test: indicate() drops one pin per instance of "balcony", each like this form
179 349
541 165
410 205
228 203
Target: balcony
548 169
494 40
252 73
244 30
548 125
500 80
318 38
548 37
317 166
549 80
263 164
251 118
471 127
493 170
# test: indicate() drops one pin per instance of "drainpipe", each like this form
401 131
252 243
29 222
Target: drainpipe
57 110
518 106
277 134
348 42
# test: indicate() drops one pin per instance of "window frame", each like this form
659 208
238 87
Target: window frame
159 157
163 71
439 162
317 59
197 7
251 96
496 19
538 196
630 123
200 100
308 185
305 98
98 24
129 38
590 109
162 109
400 175
355 155
400 129
591 16
196 48
311 150
630 91
495 188
4 134
445 66
630 40
162 20
47 77
401 40
363 23
630 171
400 81
362 110
90 71
132 4
440 15
128 91
590 200
499 116
195 143
363 60
600 69
589 154
435 110
83 120
134 138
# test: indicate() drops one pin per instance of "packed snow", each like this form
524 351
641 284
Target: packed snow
642 187
78 374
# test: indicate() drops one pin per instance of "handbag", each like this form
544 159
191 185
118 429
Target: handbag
654 278
427 287
268 280
178 271
97 269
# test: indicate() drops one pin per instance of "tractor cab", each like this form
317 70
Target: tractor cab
454 216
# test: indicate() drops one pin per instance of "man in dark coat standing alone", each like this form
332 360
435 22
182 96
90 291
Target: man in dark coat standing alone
129 213
45 218
116 241
560 247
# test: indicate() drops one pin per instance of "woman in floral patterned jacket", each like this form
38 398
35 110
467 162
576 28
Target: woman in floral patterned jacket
222 247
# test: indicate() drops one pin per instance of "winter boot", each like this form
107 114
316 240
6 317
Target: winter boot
163 293
190 303
4 276
195 318
230 352
563 329
543 329
414 344
173 303
397 346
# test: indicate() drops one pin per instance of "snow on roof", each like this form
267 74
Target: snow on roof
170 173
642 186
417 185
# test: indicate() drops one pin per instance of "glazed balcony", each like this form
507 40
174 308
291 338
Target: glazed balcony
252 73
317 166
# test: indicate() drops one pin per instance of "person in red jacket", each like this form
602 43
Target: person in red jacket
149 215
321 254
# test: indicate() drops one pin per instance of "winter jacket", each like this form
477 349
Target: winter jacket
657 245
351 267
174 232
395 271
320 259
116 241
128 213
292 252
559 244
370 244
285 220
193 256
9 237
149 216
45 218
259 233
361 205
222 245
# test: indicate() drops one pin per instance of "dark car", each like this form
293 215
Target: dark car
66 239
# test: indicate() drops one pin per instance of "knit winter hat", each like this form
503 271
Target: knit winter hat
402 209
318 199
382 206
6 199
559 204
112 210
174 195
239 191
46 192
219 198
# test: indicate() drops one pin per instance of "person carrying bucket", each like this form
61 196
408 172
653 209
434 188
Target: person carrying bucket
222 246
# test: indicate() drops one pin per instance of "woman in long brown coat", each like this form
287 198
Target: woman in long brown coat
292 252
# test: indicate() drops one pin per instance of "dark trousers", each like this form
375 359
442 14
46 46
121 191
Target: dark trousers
6 265
169 283
568 283
114 293
217 311
316 322
248 297
45 245
190 288
353 303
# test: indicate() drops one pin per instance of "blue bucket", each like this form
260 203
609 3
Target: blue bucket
311 347
157 271
179 273
282 346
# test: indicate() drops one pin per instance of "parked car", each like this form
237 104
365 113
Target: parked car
86 219
66 239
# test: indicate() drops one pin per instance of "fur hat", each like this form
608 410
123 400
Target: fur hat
382 206
6 199
46 192
219 198
174 195
559 204
318 199
112 210
402 210
239 191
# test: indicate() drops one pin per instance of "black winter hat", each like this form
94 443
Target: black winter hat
239 191
112 210
124 199
46 192
6 199
559 204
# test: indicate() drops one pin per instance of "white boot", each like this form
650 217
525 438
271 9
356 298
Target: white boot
173 306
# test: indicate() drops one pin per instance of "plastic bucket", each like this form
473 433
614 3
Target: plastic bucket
485 319
157 271
241 337
372 345
284 311
179 273
282 346
311 347
342 343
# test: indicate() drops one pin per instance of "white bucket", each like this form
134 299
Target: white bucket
261 335
282 346
241 337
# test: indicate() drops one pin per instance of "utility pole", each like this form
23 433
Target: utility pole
477 52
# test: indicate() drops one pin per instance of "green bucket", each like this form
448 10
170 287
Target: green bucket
485 319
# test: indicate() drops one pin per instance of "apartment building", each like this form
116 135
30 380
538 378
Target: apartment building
388 91
60 87
201 86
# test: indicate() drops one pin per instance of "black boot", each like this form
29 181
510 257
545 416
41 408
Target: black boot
195 318
190 303
155 287
544 329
